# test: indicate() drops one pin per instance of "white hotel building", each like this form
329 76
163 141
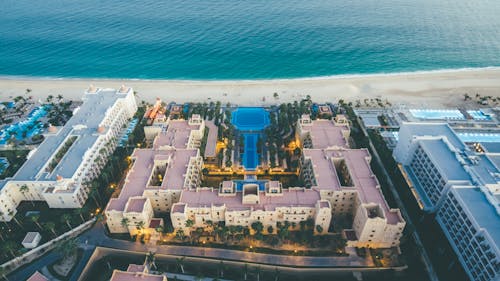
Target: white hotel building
461 186
70 156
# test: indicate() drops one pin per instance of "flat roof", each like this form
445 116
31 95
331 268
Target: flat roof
481 210
289 198
90 114
363 179
324 133
176 135
134 276
138 176
30 237
444 158
433 129
491 147
37 276
135 205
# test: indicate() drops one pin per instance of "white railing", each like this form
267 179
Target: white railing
44 248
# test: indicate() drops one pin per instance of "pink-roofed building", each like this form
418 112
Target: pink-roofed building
136 272
156 179
338 182
323 133
37 276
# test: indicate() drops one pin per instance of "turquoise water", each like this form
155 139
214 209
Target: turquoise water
243 39
250 118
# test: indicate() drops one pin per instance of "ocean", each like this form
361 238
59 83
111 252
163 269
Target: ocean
244 39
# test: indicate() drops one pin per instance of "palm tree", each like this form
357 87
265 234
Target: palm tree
125 222
67 248
10 246
4 221
245 271
100 218
189 223
276 274
50 226
94 193
221 269
11 213
180 263
80 212
180 234
258 271
3 273
150 260
35 219
66 218
25 189
139 225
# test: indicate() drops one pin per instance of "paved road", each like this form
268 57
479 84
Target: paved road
26 271
96 236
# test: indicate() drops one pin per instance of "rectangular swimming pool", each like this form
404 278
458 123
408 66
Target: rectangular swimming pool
437 114
250 156
478 115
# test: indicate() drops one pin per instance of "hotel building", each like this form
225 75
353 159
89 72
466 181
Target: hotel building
136 272
338 181
57 171
461 186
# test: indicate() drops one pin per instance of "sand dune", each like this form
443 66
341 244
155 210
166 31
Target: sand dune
431 89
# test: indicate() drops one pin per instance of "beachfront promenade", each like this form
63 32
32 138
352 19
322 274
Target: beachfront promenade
96 237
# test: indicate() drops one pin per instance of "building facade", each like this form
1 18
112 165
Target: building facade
58 171
338 181
461 186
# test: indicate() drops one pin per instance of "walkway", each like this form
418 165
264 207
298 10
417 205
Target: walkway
96 237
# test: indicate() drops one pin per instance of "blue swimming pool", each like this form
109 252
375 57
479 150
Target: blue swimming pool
130 129
261 183
250 118
479 137
437 114
250 155
4 164
250 121
478 115
26 128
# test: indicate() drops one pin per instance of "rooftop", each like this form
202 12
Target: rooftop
176 135
135 205
209 197
445 159
135 276
37 276
83 124
433 129
358 165
139 175
481 210
325 133
30 237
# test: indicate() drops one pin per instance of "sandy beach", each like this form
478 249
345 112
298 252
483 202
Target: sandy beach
421 89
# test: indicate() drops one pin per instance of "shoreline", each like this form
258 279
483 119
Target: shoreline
257 80
437 88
